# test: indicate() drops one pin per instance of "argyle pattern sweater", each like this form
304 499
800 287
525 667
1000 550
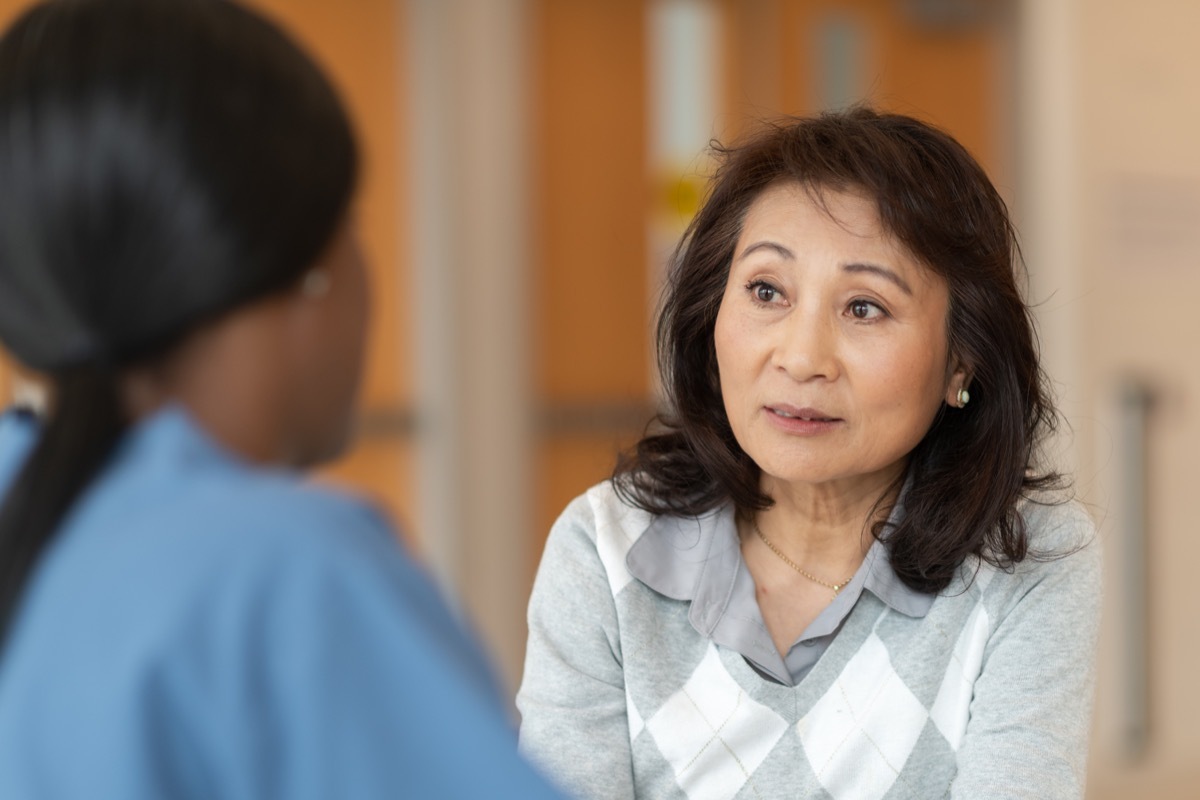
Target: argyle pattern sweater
988 695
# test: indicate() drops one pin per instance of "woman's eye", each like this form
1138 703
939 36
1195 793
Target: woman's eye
865 309
763 292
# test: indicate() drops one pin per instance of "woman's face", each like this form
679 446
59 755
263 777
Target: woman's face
830 342
328 335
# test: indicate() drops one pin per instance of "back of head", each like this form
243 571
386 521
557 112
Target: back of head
162 162
150 161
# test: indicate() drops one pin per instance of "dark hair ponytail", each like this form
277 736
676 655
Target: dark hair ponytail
75 442
161 163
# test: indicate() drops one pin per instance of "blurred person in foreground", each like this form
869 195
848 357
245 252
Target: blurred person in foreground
181 615
837 568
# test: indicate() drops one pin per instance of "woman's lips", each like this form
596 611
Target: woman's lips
802 421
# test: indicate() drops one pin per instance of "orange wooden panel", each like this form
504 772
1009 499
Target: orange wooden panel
754 80
6 379
360 46
566 467
9 10
591 200
949 76
381 470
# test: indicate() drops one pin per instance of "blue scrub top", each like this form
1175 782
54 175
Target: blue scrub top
202 628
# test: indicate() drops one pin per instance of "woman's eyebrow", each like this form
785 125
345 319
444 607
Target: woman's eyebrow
768 245
882 272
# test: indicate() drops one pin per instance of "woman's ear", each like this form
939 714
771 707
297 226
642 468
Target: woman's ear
958 386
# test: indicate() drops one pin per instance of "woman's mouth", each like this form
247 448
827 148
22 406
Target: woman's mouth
806 414
803 421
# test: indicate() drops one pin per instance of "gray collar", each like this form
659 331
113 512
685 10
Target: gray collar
699 559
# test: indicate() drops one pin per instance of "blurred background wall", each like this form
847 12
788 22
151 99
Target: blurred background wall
529 164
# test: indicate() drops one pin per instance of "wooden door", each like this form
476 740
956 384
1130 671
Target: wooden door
590 210
947 63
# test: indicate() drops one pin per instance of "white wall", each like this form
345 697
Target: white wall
1110 210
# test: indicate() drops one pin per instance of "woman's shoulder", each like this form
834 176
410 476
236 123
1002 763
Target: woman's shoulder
601 511
298 546
301 511
594 535
272 530
170 468
604 531
1056 522
1063 556
176 512
196 554
296 563
608 516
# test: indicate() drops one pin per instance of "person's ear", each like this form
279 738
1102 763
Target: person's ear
315 283
958 387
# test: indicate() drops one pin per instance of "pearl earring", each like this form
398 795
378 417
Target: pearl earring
964 397
315 283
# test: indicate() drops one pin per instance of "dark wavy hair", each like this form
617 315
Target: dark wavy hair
965 477
162 162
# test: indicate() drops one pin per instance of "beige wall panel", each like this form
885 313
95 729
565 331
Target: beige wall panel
1139 244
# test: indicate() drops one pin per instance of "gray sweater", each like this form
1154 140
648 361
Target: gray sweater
987 693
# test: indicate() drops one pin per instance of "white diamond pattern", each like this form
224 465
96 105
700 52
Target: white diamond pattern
984 577
712 733
614 521
859 734
952 707
636 723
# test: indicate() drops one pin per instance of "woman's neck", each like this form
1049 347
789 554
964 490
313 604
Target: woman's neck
228 376
826 525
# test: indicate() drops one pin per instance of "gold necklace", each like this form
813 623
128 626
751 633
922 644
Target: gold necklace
836 587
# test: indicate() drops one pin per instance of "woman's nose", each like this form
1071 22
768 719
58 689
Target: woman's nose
806 346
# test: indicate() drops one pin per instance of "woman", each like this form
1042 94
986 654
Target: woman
836 568
180 615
